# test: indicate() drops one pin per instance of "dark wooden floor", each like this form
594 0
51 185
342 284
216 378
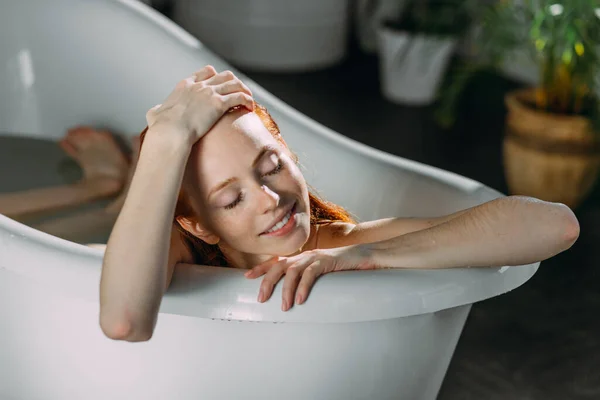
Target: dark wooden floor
541 341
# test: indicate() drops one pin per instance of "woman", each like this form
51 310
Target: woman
215 184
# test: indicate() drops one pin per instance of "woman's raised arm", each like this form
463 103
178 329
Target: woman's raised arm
141 251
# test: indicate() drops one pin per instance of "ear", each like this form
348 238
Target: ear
192 226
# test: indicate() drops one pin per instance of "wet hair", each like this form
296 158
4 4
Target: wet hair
321 211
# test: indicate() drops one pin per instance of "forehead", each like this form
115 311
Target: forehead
229 148
240 130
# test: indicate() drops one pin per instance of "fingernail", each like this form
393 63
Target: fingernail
247 273
261 296
284 306
299 299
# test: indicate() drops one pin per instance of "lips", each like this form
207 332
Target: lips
279 218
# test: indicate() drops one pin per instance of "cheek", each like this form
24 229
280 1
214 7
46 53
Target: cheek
233 225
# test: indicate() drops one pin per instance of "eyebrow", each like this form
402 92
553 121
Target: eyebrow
222 185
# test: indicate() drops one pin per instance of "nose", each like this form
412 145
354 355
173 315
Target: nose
269 200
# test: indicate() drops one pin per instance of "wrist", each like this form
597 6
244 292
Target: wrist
362 256
390 254
168 138
163 147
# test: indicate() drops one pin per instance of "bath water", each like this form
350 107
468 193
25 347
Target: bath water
31 163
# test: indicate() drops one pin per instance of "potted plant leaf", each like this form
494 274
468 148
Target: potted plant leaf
551 146
415 48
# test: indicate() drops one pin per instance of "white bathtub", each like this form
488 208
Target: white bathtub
361 335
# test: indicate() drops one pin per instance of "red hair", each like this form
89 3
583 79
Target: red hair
321 211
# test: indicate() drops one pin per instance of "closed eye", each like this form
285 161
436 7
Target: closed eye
277 169
235 202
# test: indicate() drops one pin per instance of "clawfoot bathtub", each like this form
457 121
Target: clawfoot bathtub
361 335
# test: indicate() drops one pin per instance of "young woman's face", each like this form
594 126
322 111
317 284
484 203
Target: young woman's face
247 190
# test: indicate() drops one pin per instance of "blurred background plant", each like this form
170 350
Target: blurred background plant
561 39
415 45
433 17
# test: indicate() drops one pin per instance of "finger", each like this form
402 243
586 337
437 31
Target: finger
309 276
204 73
261 269
269 281
231 87
292 275
227 76
238 99
219 78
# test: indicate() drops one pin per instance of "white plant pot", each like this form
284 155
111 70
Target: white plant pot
269 35
412 66
369 15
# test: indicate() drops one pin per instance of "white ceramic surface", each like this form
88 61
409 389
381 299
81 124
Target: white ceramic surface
361 335
269 35
412 66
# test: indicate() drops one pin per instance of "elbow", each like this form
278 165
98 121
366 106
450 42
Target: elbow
124 331
569 226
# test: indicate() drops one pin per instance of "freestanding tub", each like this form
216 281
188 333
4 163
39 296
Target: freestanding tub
361 335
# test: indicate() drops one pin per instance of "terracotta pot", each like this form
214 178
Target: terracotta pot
548 156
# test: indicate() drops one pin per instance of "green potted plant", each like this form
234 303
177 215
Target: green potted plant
551 144
416 46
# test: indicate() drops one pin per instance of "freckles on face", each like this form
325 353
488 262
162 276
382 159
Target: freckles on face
242 175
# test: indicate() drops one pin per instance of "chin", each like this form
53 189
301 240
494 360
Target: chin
295 241
285 246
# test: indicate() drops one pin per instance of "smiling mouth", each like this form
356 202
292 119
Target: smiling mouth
282 222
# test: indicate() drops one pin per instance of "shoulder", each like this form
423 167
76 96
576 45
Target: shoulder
181 249
332 234
339 234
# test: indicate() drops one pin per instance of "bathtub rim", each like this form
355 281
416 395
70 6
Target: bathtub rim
73 270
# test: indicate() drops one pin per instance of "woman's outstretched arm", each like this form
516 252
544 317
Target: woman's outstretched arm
509 231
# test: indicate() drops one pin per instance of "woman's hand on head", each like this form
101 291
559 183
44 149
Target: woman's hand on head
198 102
302 270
